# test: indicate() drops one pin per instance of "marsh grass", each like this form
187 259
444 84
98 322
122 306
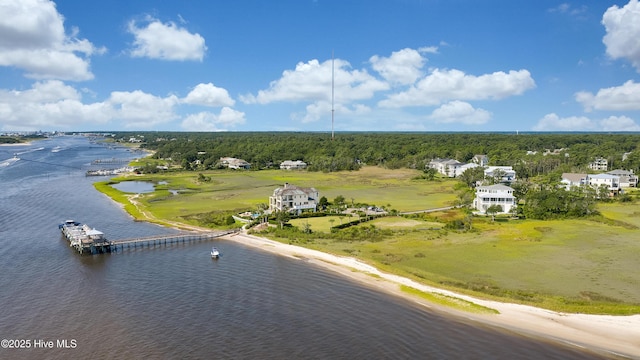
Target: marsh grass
584 265
449 301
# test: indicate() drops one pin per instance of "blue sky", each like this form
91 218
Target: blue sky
255 65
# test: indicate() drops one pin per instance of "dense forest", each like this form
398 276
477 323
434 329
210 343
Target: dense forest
530 154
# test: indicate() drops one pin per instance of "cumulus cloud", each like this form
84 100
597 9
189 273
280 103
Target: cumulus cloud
460 112
444 85
141 110
625 97
618 123
165 41
402 67
33 38
209 95
552 122
207 121
311 81
47 103
622 25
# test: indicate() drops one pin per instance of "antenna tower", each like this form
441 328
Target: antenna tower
332 93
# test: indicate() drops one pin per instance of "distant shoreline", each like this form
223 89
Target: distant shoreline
16 144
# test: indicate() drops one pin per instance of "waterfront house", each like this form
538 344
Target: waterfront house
573 179
294 199
612 182
446 167
233 163
293 165
596 181
627 178
498 194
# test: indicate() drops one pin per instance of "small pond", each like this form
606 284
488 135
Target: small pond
136 187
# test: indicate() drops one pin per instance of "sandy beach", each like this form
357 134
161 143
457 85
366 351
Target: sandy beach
616 336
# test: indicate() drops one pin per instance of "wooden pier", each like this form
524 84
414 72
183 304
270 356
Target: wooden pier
148 242
153 241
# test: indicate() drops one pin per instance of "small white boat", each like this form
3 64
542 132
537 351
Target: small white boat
215 253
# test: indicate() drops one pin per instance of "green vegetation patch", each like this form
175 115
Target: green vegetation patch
449 301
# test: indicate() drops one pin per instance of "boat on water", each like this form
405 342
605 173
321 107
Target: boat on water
83 238
215 253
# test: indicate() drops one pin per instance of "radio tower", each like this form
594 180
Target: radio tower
332 91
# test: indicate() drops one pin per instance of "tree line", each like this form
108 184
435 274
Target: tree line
350 150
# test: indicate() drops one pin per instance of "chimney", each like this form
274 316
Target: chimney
286 185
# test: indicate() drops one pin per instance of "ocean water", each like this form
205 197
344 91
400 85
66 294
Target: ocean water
175 302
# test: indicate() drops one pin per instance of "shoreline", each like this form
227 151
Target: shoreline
607 335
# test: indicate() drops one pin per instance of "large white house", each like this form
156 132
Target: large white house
293 165
612 182
494 195
450 167
294 199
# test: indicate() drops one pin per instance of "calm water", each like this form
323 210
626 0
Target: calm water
176 302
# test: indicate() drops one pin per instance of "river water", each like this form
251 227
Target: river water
175 302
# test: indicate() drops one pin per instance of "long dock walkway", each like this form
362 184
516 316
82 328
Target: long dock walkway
152 241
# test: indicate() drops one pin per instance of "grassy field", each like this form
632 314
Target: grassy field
581 265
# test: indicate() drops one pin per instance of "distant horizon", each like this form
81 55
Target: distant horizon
321 66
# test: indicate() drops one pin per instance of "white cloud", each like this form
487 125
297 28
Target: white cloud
311 81
142 110
444 85
322 109
625 97
623 31
209 95
33 38
207 121
460 112
402 67
166 41
566 8
552 122
618 123
47 104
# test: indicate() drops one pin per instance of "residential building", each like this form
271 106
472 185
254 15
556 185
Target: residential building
627 178
506 174
608 180
293 165
498 194
482 160
447 167
599 164
573 179
233 163
294 199
612 182
454 168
